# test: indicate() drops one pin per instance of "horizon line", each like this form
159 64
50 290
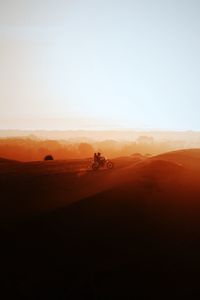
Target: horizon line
104 130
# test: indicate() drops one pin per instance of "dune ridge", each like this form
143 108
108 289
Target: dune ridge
131 232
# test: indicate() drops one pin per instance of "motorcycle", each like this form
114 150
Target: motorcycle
101 163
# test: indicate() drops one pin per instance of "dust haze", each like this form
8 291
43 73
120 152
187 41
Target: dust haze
34 145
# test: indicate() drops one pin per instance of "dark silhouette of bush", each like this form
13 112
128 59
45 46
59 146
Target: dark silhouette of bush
48 157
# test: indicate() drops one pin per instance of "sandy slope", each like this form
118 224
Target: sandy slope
189 158
5 161
35 187
130 233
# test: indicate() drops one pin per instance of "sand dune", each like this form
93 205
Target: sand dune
36 187
132 232
7 161
189 158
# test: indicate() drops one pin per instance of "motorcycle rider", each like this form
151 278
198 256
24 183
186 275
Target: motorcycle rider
95 157
100 161
98 157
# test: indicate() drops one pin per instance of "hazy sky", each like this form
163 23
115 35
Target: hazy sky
100 64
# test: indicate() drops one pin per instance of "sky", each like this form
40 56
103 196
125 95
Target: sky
100 64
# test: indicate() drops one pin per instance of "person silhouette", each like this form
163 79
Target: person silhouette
98 157
95 157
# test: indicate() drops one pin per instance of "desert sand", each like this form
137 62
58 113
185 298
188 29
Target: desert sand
132 232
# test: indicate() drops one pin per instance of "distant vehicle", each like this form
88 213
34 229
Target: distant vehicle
101 163
48 157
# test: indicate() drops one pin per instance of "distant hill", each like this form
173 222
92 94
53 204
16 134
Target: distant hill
129 134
